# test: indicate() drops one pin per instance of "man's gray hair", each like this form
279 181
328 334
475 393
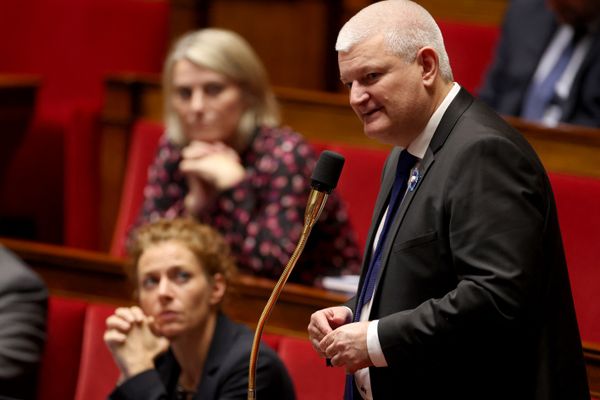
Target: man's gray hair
405 26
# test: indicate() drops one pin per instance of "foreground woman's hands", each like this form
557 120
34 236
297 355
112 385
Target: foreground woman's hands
132 339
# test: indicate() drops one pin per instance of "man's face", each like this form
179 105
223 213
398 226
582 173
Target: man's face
386 92
575 12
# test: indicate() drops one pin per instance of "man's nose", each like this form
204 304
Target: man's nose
358 94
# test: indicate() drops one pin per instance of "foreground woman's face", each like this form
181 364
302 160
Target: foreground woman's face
209 105
174 289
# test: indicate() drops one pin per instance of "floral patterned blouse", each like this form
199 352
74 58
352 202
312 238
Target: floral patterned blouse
262 217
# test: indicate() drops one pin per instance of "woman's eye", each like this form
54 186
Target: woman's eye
149 282
182 276
184 93
213 89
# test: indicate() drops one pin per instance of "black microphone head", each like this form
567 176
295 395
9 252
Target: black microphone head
327 172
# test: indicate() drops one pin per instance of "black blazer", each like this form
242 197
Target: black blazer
527 30
225 373
473 299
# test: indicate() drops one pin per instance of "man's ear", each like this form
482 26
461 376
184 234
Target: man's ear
219 286
428 59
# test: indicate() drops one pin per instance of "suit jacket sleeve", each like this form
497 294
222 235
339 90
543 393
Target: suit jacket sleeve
494 208
23 304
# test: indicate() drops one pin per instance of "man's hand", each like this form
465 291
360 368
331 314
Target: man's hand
130 338
324 322
346 346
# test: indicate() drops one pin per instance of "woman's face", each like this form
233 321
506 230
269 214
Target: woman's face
174 289
208 104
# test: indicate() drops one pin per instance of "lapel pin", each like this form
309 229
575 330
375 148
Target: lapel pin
414 179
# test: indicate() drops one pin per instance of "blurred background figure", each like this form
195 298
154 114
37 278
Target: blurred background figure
225 161
177 344
547 65
23 307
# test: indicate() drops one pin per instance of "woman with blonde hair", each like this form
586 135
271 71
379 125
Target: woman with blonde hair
225 161
178 344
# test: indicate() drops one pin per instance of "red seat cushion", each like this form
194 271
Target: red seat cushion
60 363
98 372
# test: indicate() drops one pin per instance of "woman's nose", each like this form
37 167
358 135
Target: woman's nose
197 101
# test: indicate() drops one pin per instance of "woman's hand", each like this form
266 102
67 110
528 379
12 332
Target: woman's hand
216 164
132 340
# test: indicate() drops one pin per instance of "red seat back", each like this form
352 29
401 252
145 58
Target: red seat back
578 203
311 378
142 150
471 49
60 363
98 372
359 182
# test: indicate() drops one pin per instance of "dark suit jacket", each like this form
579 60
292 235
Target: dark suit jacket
473 300
527 30
23 306
225 373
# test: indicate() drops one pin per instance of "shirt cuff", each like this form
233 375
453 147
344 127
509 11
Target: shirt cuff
374 347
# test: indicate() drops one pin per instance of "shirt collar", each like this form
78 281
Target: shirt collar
419 146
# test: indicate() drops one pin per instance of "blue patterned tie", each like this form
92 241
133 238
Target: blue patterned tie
541 94
406 162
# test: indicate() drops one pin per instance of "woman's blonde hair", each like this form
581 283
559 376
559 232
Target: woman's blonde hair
208 246
227 53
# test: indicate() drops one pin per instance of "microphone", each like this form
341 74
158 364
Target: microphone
323 180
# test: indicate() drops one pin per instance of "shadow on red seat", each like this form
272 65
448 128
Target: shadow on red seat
58 372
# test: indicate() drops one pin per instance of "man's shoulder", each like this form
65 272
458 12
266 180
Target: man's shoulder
13 271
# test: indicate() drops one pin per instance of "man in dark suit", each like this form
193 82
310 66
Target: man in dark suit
23 303
535 34
464 292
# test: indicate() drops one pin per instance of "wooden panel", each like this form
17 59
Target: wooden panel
291 37
98 277
486 12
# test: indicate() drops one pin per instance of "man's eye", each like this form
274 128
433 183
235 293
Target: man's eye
348 85
372 76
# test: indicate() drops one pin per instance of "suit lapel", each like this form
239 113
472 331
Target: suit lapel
459 105
220 346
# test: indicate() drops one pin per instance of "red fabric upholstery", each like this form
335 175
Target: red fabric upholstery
72 45
98 372
272 340
142 151
60 363
359 182
312 379
578 203
471 49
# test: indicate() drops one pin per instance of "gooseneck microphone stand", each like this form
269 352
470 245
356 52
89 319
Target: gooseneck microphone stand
324 179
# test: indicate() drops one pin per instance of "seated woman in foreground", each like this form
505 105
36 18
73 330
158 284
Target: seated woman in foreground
177 344
225 161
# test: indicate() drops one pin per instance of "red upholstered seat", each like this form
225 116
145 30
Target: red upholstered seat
471 49
72 45
58 372
312 379
578 203
142 150
98 372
